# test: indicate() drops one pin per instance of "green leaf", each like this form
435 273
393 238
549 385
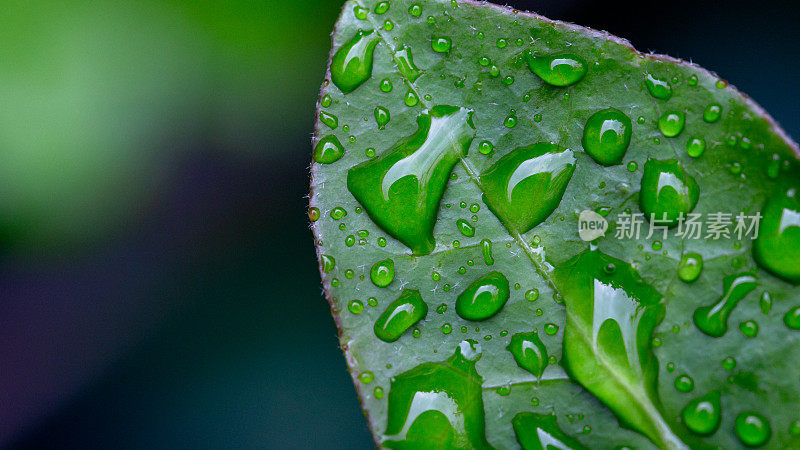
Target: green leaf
459 147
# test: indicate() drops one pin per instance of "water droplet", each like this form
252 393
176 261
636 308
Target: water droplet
356 307
382 7
658 88
484 297
525 186
562 69
447 328
695 146
532 295
684 383
550 329
703 415
351 66
382 117
411 99
712 113
667 190
382 273
465 228
360 12
405 63
690 267
633 166
366 377
792 318
486 250
328 263
671 123
400 315
749 328
713 319
402 188
329 119
729 363
529 352
313 214
541 431
438 402
382 241
441 44
386 85
369 153
777 248
607 135
510 120
326 101
693 80
338 213
415 10
328 150
752 428
388 25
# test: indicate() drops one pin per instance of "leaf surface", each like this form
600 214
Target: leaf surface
457 146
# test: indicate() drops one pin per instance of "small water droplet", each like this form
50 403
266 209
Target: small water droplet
667 191
441 44
529 352
684 383
792 318
752 428
713 319
465 228
328 150
550 329
690 267
400 315
356 307
703 415
712 113
382 7
671 123
749 328
777 247
382 273
351 65
658 87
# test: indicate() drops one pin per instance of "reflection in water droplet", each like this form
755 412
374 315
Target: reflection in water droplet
713 319
484 297
465 228
525 186
328 150
671 123
351 66
777 248
402 188
400 315
529 352
541 431
441 44
382 273
438 402
712 113
562 69
690 267
703 415
752 428
667 191
695 146
607 135
658 88
792 318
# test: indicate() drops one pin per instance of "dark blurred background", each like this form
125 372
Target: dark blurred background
158 282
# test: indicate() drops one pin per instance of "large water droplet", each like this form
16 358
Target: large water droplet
402 188
690 267
658 87
562 69
328 150
529 352
441 44
329 119
752 428
405 63
713 319
667 191
352 64
703 415
792 318
465 228
541 432
382 273
671 123
484 298
525 186
438 404
382 117
405 311
607 135
777 248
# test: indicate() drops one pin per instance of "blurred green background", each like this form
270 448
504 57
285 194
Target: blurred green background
158 284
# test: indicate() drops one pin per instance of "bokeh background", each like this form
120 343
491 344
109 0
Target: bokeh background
158 284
